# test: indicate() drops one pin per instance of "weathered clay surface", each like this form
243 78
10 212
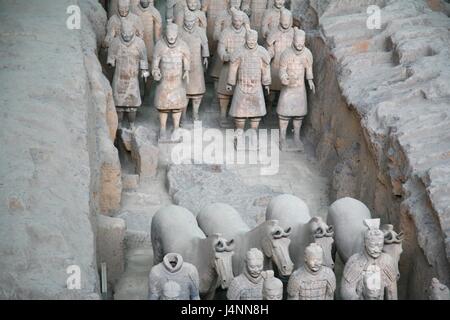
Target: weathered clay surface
381 122
46 221
144 152
194 186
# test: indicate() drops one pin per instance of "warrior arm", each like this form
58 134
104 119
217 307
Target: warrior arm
350 278
154 291
170 8
205 47
245 6
265 24
270 45
266 78
217 29
331 284
202 22
112 54
194 292
234 67
234 290
156 60
309 65
111 32
157 22
143 60
283 72
186 57
222 50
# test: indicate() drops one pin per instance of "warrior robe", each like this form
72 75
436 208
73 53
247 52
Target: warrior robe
244 287
306 285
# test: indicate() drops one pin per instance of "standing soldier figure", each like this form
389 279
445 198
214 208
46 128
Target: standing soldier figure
313 280
295 63
255 10
128 54
195 38
152 23
194 7
115 22
213 9
232 39
279 39
251 66
223 21
171 65
271 17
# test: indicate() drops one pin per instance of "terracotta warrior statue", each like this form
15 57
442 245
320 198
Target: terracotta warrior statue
313 280
370 286
271 17
249 284
171 291
231 39
278 40
114 23
213 9
195 38
295 63
249 71
171 67
272 287
174 269
223 21
361 263
127 53
438 290
194 7
175 9
152 24
255 10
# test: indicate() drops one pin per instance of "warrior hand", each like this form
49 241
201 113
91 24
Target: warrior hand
186 76
156 75
145 74
267 89
229 87
285 81
312 86
205 62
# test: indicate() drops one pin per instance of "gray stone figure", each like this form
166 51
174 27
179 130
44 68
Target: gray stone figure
271 17
128 55
347 215
248 285
171 291
174 229
249 72
195 38
174 269
175 9
291 211
359 264
114 23
268 237
171 67
272 287
231 39
371 286
438 291
296 62
313 280
278 40
194 7
223 21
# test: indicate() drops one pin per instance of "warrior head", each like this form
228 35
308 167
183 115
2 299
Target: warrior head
299 39
171 291
190 19
238 17
254 261
272 287
193 5
278 4
146 3
314 257
127 31
286 19
171 34
251 38
373 238
123 7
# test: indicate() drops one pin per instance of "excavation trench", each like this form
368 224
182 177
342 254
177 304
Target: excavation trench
339 161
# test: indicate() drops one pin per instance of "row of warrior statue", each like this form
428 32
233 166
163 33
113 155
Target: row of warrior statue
243 70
